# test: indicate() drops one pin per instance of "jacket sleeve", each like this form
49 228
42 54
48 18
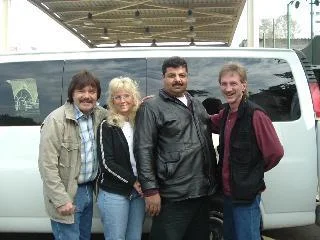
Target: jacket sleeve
145 142
216 122
267 139
108 163
49 152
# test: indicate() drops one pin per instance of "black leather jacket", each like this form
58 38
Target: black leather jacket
173 148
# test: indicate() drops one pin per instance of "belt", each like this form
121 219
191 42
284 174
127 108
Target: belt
85 183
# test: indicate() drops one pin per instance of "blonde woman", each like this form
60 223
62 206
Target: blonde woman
120 197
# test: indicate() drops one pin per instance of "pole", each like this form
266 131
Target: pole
288 26
311 30
273 34
250 23
311 18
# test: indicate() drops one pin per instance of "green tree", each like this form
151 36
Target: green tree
280 27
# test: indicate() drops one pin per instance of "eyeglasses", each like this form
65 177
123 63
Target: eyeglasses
121 97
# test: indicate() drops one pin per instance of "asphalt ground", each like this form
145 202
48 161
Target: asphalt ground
311 232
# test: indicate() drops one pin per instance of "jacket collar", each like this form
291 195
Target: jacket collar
167 96
70 111
241 109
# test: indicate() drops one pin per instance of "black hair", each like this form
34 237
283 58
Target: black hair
174 62
81 80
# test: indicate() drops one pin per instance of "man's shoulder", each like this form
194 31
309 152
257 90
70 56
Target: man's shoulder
254 106
101 110
58 113
152 102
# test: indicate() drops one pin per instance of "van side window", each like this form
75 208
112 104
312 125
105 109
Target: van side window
271 84
105 70
29 91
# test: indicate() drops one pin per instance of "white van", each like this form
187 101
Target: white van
280 80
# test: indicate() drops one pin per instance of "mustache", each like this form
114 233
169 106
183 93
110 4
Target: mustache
86 100
177 84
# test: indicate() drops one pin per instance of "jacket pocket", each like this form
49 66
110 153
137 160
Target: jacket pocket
240 153
68 156
168 164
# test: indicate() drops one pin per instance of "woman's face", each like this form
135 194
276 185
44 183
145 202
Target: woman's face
123 102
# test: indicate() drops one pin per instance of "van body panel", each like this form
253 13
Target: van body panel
275 78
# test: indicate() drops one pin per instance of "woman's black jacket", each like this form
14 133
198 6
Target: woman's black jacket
115 173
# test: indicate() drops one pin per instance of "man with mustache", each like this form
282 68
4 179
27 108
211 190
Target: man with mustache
175 158
248 147
67 159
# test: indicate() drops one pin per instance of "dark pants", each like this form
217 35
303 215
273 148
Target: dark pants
187 220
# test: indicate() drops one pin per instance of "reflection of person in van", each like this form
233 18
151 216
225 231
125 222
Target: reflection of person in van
212 105
249 146
295 111
67 158
175 158
119 200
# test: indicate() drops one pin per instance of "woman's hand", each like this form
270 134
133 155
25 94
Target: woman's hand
137 187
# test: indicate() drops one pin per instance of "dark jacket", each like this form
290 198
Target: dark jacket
115 174
173 148
246 161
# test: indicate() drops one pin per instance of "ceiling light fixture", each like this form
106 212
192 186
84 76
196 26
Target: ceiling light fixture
118 44
190 18
137 18
105 33
147 31
191 33
154 44
192 43
88 21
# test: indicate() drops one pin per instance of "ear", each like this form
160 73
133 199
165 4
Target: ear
244 87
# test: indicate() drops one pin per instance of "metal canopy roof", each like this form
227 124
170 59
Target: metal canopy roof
99 22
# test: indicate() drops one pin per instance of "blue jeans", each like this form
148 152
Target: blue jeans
122 218
241 221
81 228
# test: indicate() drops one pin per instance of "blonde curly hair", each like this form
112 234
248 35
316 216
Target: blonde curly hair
130 86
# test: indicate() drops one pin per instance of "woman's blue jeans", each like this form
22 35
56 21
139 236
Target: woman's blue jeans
241 221
122 217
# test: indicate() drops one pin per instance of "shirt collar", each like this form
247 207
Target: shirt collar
79 114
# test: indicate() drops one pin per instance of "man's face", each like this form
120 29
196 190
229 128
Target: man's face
85 98
232 89
175 81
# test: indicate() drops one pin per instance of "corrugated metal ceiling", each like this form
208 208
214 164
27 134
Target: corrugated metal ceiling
99 22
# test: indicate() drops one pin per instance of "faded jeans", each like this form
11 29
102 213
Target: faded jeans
81 228
122 217
241 221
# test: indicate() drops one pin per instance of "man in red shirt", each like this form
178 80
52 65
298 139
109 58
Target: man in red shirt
249 146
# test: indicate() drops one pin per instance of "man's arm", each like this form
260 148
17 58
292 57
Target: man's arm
145 140
49 153
267 139
215 122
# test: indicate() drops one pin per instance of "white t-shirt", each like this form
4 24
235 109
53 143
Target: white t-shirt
128 133
184 100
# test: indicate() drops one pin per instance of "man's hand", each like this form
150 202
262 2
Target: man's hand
147 97
66 209
153 205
